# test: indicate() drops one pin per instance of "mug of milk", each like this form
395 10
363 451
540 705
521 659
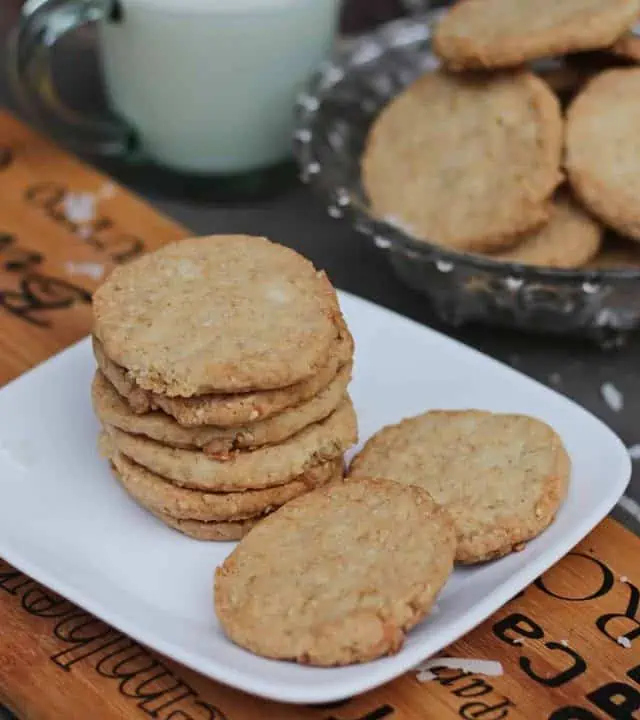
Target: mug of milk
202 87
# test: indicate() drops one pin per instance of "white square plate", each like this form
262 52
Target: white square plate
67 523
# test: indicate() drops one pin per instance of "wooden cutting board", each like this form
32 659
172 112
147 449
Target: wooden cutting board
569 645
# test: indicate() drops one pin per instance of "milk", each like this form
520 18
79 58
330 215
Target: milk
210 85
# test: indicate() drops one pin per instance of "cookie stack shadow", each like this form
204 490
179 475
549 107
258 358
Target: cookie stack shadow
221 386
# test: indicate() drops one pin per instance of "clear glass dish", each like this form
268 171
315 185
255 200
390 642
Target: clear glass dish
333 118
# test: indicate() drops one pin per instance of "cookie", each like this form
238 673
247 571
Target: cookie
338 575
466 162
158 495
211 531
256 469
569 240
627 47
601 158
229 410
226 313
112 409
507 33
501 477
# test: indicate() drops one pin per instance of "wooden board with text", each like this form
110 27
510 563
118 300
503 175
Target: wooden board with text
569 644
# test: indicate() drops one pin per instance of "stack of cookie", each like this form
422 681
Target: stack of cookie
223 366
477 161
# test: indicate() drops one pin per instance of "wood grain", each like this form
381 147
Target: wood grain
569 645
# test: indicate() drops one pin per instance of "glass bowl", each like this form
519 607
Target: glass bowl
333 117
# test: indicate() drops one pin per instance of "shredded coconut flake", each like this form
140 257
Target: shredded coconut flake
624 641
634 452
491 668
564 643
624 579
107 191
612 396
89 269
79 208
517 641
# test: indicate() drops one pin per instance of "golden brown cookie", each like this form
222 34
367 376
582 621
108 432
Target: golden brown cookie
466 162
500 477
225 313
159 495
338 575
229 410
627 47
256 469
112 409
209 531
507 33
569 240
601 157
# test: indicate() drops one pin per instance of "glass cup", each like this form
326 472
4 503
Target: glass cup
201 88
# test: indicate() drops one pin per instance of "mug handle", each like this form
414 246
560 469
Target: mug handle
41 25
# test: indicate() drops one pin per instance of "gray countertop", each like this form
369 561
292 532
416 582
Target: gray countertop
298 219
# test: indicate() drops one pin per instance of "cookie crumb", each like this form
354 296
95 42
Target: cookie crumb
107 191
624 579
624 641
92 270
564 643
521 546
612 396
79 208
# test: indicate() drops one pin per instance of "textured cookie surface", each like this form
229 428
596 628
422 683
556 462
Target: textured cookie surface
502 33
158 495
261 468
229 410
336 576
603 154
112 409
212 531
500 477
628 47
465 162
569 240
217 314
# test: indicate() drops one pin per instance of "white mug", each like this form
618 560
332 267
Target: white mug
202 87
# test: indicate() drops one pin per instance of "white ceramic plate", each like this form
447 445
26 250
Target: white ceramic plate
67 523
